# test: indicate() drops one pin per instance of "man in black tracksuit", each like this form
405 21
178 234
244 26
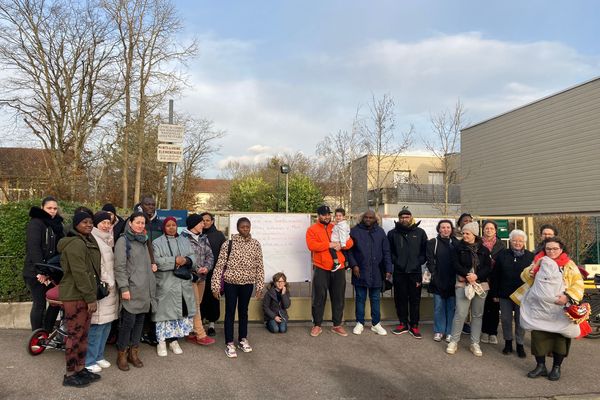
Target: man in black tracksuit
407 244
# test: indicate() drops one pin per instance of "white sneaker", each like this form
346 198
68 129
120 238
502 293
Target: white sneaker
244 346
485 338
378 329
493 339
161 349
230 350
438 337
174 345
452 347
448 338
476 350
95 368
358 329
103 364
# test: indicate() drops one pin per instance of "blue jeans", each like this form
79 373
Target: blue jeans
360 300
97 337
277 327
443 314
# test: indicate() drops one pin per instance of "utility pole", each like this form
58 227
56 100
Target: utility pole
170 165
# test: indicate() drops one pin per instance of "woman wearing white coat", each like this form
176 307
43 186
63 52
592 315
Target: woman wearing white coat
107 307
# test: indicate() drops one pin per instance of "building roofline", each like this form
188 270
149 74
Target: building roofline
532 102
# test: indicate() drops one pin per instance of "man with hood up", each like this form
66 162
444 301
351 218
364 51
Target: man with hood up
407 245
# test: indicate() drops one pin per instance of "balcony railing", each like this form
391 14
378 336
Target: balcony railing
413 193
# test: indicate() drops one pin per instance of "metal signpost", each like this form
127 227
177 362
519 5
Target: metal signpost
285 169
171 150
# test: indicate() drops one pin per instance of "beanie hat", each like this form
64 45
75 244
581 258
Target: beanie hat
192 220
472 227
110 208
167 220
78 217
101 216
404 211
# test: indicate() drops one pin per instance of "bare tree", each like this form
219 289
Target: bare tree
199 147
150 56
337 151
445 146
576 230
62 80
380 141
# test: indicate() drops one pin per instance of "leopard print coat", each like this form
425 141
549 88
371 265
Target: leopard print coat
245 265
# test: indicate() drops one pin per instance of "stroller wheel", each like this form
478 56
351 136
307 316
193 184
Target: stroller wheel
37 342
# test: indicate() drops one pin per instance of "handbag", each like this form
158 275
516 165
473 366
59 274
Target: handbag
101 286
222 284
101 289
183 271
426 278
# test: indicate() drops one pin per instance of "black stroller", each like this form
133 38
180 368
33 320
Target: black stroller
41 339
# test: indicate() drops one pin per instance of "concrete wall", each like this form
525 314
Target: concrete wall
360 185
16 315
540 158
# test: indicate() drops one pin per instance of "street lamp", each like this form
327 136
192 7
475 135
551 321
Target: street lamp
285 169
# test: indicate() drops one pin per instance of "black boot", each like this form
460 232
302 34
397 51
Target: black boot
508 347
554 374
521 351
539 370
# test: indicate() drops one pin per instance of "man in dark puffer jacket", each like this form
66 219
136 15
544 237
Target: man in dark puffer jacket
407 245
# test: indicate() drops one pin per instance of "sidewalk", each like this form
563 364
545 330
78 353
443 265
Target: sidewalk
297 366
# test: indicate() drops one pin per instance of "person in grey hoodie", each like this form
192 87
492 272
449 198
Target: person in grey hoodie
134 274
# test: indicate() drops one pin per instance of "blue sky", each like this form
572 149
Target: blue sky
278 76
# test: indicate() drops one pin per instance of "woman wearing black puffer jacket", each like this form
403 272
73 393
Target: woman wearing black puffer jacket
44 230
472 264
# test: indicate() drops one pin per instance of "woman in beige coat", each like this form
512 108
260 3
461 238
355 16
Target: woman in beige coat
108 306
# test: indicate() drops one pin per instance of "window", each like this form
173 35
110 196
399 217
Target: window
401 176
436 178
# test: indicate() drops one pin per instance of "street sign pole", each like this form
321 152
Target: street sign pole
170 165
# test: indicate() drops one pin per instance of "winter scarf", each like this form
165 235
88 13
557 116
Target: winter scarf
131 236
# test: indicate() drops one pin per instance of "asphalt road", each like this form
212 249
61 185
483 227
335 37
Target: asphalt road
297 366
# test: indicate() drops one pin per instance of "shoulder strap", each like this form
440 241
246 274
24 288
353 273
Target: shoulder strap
435 247
229 246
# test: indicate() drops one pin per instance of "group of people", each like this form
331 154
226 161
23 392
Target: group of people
156 278
144 274
474 278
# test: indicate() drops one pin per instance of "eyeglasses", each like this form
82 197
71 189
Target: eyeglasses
552 248
280 281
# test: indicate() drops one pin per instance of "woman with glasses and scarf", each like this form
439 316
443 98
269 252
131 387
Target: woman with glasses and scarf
555 282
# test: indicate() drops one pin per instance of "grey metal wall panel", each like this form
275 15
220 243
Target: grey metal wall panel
540 158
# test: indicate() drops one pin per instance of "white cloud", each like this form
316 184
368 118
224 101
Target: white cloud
317 94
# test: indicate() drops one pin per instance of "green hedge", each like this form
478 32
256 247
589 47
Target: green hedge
13 222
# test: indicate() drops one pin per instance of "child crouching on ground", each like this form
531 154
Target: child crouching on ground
275 304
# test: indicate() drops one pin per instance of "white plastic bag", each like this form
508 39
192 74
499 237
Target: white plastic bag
538 310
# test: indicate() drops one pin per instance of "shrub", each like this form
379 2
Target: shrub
14 218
